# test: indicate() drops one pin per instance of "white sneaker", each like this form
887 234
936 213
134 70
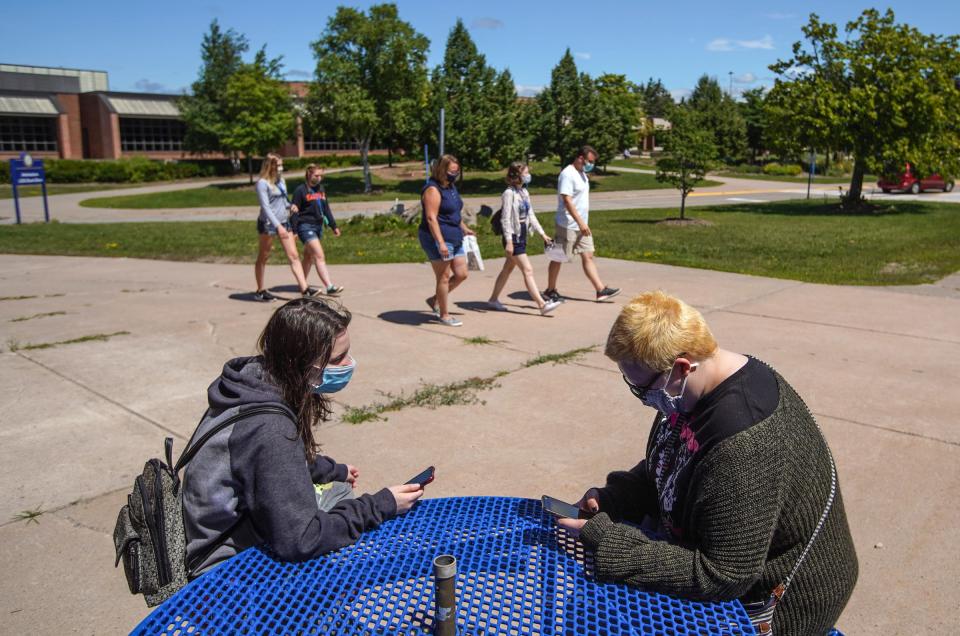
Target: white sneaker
549 306
496 305
450 322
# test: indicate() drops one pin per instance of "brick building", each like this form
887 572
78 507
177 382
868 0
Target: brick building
72 114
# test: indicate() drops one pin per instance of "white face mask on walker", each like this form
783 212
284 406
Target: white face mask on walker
664 402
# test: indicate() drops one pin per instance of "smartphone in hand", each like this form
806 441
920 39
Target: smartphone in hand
562 509
423 478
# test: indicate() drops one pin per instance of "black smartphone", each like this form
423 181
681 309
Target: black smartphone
562 509
423 478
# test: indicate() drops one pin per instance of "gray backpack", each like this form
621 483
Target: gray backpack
149 536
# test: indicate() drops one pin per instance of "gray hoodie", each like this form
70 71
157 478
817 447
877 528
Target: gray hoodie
250 483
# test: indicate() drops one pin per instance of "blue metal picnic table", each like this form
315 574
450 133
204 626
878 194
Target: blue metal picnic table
517 574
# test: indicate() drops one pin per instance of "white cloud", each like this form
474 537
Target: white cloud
766 43
295 72
720 44
528 90
486 23
582 56
680 93
726 44
745 78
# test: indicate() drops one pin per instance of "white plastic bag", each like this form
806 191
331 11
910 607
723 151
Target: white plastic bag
555 253
472 248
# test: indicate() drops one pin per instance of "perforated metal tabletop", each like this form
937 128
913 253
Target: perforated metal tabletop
514 578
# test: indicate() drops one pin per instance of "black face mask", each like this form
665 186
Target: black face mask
452 176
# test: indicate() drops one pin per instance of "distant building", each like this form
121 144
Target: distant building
72 114
652 126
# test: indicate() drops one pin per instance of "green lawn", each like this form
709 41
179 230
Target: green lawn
6 190
868 180
348 186
904 243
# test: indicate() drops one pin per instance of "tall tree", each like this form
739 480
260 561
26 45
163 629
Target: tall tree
616 115
259 109
753 110
885 91
204 111
371 69
479 105
689 151
561 105
719 114
657 100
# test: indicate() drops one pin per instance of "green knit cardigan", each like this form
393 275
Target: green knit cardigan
752 505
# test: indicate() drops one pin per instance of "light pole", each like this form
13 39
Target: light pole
730 90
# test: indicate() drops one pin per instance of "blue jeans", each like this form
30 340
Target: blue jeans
264 226
309 231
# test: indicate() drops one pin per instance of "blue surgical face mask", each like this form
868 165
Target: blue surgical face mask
588 167
526 179
335 377
664 402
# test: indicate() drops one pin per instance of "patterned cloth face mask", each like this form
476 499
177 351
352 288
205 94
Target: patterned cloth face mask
335 378
661 400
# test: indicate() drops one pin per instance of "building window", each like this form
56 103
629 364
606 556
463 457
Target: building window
316 145
151 135
31 134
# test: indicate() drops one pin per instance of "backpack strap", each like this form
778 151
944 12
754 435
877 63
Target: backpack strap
192 449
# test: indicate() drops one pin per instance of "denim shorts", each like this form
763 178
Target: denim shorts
432 249
264 226
309 231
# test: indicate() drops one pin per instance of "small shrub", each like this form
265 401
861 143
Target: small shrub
782 170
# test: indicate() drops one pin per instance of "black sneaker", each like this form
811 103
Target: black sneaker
334 290
553 295
607 292
310 292
262 296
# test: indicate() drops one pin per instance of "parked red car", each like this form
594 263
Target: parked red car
909 181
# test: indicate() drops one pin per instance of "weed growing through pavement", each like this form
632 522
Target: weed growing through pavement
480 340
49 313
559 358
429 396
100 337
30 516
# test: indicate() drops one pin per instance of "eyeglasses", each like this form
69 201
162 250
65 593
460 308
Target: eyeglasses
640 392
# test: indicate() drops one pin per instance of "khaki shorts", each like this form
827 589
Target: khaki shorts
572 241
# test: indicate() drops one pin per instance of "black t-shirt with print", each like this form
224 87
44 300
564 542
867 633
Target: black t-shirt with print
748 396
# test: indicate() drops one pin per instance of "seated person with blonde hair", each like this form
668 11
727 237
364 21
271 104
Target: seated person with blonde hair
738 487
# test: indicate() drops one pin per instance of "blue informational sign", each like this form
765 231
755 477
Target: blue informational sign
28 171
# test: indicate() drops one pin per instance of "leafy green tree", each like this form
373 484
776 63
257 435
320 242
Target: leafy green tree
259 109
753 111
204 111
614 114
370 77
885 92
657 100
561 105
689 152
719 114
479 106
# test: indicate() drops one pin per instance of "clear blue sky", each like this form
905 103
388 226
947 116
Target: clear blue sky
155 46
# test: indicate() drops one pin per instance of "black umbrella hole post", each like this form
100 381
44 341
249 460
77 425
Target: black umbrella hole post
445 595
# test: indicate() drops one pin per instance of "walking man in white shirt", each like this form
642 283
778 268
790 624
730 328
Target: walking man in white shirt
572 229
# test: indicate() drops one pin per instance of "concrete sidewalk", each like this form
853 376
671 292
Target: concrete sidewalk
877 366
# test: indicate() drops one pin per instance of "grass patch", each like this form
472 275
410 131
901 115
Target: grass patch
811 241
29 297
6 190
429 396
480 340
100 337
868 180
559 358
43 315
348 186
30 516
